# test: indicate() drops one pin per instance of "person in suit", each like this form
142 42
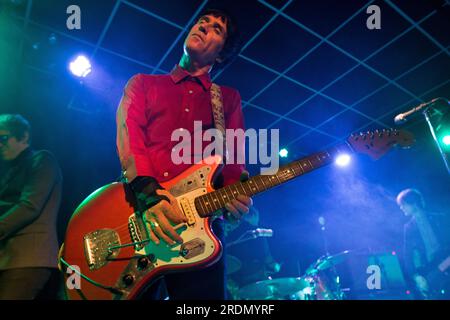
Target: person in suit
426 244
30 195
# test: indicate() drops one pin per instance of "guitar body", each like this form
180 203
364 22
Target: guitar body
106 222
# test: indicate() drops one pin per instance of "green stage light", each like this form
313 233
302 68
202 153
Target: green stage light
283 153
446 140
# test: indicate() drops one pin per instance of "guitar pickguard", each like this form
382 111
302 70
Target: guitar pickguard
196 180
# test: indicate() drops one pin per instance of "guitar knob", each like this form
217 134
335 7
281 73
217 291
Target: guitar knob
128 279
142 263
184 252
152 257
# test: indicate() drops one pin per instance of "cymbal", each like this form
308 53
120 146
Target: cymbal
327 262
274 289
233 264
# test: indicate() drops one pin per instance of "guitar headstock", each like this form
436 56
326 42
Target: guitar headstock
377 143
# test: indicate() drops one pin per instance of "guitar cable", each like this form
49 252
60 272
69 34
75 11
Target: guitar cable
108 288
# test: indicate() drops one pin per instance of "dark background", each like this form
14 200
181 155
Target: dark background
309 68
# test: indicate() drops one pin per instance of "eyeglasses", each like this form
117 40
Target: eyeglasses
4 138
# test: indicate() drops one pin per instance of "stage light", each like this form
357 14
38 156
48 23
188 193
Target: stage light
80 67
446 140
343 160
283 153
52 39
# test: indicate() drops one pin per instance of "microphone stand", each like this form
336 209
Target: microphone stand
247 235
428 117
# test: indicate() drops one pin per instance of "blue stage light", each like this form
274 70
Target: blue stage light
80 67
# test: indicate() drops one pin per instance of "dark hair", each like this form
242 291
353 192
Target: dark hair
232 44
17 125
412 197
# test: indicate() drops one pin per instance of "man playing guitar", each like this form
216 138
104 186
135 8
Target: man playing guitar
155 106
426 244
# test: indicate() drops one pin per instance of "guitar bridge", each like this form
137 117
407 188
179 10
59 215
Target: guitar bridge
96 247
136 233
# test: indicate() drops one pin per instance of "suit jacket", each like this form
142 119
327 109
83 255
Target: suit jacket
30 196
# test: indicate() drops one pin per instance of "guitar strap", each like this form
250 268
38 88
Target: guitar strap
219 118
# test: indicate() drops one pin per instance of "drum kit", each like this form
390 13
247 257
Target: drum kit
321 281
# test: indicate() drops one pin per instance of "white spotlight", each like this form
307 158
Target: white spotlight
80 67
343 160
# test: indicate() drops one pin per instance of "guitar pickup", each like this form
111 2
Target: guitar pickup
187 210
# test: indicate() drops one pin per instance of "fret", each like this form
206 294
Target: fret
206 203
209 202
293 170
310 163
272 180
214 200
258 183
229 195
289 174
220 198
202 208
300 167
252 186
264 185
217 200
246 184
320 158
242 187
203 201
280 176
224 195
268 181
234 191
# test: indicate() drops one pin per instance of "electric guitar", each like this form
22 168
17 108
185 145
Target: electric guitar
436 275
107 245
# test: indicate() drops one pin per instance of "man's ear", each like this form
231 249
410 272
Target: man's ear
26 138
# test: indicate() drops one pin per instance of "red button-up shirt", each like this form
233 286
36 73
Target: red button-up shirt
153 106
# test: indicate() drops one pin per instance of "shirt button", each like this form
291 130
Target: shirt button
187 109
166 174
191 92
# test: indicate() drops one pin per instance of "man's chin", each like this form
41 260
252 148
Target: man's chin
6 157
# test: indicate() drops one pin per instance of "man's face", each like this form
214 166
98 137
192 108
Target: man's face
206 39
10 147
408 209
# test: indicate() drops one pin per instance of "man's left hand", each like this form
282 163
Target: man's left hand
239 206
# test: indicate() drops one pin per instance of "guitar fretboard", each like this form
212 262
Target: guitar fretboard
209 203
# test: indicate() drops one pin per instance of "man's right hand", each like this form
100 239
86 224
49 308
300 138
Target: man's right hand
160 218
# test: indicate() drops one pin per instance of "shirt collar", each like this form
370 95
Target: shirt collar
178 74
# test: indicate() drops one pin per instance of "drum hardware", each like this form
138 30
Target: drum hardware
278 289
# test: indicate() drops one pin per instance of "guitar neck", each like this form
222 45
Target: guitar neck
209 203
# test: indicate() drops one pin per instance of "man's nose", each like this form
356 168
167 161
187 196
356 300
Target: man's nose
202 29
